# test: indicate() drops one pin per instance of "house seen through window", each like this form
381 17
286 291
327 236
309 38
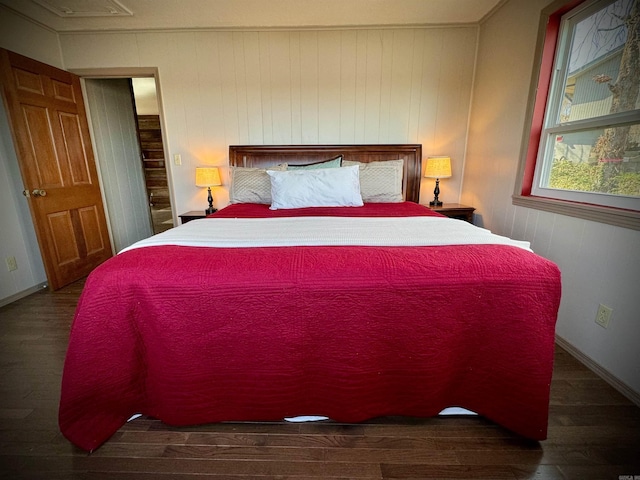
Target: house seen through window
589 148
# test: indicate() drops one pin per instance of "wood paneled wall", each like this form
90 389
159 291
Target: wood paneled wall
403 85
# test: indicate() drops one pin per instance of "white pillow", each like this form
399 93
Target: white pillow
251 185
326 187
380 182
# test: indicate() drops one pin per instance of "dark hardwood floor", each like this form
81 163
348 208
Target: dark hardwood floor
594 431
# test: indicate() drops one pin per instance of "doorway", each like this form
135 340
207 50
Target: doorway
152 152
124 113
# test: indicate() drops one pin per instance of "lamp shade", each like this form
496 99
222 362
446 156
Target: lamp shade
207 177
438 167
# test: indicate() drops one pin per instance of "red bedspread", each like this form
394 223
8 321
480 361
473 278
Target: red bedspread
195 335
253 210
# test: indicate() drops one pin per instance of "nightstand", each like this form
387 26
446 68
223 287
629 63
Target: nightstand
192 215
455 210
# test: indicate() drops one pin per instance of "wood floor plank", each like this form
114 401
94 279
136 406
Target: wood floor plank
323 440
421 471
188 476
594 431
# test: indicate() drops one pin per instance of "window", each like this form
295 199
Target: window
584 140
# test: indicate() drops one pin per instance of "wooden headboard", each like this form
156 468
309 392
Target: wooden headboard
261 156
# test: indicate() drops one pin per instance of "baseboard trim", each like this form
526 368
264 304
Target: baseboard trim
607 376
22 294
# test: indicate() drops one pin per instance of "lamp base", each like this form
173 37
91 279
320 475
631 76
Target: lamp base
436 192
210 210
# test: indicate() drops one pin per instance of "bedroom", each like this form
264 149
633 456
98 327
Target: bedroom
469 107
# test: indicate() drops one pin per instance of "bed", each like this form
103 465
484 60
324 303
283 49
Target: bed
224 320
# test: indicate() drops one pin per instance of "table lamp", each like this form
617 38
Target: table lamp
208 177
437 167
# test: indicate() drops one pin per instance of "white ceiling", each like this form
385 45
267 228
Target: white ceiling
102 15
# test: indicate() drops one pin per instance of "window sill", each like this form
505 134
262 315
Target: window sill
612 216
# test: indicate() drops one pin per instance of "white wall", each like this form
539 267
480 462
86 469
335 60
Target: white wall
144 90
26 38
599 263
297 87
18 236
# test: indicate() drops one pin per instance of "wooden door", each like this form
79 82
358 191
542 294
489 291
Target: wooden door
51 136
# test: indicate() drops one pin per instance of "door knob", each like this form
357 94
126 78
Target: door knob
37 192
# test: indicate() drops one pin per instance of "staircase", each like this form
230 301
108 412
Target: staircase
155 172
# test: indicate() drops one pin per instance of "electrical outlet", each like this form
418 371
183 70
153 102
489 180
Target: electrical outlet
603 316
12 264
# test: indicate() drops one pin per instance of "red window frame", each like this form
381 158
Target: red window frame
544 82
545 58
